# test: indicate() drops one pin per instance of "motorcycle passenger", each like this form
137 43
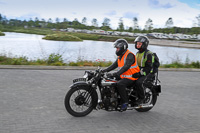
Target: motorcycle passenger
145 64
127 66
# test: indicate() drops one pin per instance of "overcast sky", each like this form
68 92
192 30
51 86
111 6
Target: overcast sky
183 12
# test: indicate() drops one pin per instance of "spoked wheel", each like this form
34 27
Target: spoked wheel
150 99
79 102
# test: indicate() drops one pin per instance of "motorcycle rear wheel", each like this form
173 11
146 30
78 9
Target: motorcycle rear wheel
79 101
150 98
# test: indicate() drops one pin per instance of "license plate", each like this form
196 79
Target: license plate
79 79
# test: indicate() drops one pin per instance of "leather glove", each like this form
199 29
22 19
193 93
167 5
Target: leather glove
111 75
136 75
103 70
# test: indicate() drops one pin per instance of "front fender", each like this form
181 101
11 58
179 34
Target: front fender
90 89
79 84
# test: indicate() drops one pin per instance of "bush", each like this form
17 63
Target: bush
73 64
40 62
2 34
195 64
58 64
20 61
55 59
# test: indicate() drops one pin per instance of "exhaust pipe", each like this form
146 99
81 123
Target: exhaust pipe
144 106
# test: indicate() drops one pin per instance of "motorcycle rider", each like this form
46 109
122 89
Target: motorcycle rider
145 64
127 66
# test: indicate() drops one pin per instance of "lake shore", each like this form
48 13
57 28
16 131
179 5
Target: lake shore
95 37
175 43
101 52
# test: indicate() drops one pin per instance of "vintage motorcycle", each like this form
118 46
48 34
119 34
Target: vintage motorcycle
96 91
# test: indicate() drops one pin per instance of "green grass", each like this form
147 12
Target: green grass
96 37
61 37
57 60
2 34
37 31
182 65
52 60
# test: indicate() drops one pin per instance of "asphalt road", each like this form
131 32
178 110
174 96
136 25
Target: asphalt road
32 101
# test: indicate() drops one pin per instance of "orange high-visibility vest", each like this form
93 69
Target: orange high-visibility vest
133 69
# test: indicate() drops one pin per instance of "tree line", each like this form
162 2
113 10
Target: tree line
65 23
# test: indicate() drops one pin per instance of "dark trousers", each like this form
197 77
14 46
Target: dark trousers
122 84
140 88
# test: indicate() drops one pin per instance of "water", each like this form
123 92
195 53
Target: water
34 47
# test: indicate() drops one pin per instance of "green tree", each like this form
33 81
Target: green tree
149 25
106 24
75 22
198 20
4 20
43 23
135 24
57 20
94 22
130 29
121 25
31 23
50 20
84 21
65 20
1 27
50 23
169 23
37 22
1 17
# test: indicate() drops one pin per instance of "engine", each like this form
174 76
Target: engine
109 98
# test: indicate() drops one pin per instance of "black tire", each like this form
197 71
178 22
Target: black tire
83 99
150 98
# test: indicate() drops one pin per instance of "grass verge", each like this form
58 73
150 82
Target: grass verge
57 60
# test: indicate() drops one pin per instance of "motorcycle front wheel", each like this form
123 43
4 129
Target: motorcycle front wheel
79 101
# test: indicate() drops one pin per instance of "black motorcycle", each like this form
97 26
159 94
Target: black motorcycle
96 91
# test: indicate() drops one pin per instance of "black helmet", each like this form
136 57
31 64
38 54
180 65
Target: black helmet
122 44
144 40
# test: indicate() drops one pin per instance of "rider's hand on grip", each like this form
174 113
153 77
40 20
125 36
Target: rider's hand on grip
103 70
111 75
